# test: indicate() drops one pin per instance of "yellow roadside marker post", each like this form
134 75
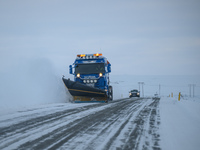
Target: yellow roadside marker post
179 96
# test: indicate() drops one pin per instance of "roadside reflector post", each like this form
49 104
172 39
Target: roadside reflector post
172 94
179 96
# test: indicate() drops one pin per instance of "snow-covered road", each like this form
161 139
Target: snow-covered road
122 124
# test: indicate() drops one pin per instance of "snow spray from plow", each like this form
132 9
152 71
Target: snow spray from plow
30 82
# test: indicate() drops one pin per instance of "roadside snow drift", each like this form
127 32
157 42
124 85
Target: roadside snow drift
180 124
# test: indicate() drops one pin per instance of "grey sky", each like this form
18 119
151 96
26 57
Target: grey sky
138 37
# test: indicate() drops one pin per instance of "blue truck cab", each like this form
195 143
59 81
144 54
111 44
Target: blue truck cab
93 70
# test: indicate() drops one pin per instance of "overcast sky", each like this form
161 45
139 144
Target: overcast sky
149 37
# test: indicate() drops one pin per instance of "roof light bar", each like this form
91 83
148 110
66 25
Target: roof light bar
89 56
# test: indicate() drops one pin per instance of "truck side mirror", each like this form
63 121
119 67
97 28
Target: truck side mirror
109 68
70 69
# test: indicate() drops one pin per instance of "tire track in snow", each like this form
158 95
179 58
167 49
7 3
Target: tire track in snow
104 132
40 120
145 134
90 123
116 125
13 133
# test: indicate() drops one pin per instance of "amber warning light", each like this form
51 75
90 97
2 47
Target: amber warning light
89 55
81 55
97 54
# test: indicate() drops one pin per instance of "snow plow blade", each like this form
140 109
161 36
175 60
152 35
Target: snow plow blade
84 93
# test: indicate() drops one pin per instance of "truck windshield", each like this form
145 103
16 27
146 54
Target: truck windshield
90 68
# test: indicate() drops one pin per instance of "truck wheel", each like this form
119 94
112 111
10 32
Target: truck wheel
110 93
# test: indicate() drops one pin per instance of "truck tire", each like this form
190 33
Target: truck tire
110 93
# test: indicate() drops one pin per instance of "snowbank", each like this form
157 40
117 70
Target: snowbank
180 122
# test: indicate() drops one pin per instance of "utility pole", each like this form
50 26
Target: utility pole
191 89
142 83
142 89
159 89
139 85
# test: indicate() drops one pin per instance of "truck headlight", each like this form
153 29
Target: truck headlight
95 81
78 75
100 74
138 93
84 81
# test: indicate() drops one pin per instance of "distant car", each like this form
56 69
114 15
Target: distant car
134 93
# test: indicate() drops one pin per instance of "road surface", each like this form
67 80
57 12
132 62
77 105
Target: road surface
122 124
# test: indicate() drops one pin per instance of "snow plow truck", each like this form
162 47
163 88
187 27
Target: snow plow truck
91 79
